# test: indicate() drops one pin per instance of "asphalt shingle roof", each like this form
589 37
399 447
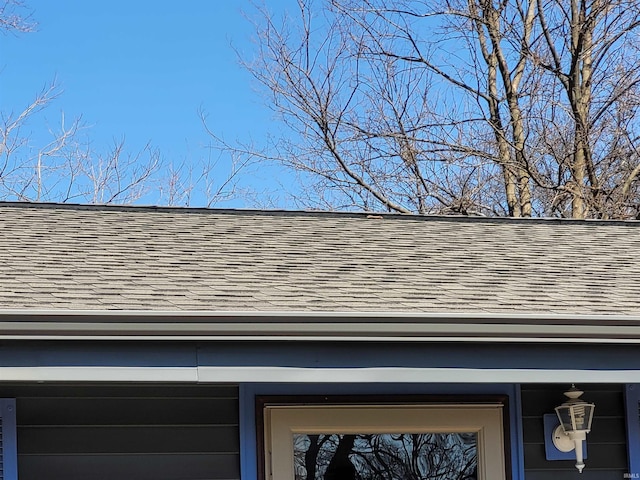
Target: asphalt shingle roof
161 259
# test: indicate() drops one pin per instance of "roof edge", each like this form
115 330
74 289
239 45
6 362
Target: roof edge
311 314
372 215
317 326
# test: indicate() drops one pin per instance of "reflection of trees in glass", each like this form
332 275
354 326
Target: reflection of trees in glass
402 456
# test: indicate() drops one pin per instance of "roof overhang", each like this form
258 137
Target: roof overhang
317 326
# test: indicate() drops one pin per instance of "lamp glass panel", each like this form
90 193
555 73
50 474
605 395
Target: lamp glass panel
575 417
565 418
589 415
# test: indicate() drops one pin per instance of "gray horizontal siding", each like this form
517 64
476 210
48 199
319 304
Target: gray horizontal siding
130 467
128 438
126 431
128 411
606 444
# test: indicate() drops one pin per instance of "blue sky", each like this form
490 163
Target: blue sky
141 69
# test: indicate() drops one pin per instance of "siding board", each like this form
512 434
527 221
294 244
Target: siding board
128 467
607 401
128 439
126 431
126 411
587 474
600 457
101 390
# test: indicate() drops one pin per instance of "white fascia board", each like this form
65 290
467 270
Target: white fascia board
235 375
411 375
99 374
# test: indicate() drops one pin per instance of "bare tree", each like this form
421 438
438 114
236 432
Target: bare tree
15 17
66 166
517 107
589 48
61 163
63 167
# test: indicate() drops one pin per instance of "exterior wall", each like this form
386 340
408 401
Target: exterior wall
606 444
190 431
126 431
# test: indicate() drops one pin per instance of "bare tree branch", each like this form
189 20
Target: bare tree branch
511 107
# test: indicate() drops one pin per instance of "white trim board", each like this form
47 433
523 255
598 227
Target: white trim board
206 374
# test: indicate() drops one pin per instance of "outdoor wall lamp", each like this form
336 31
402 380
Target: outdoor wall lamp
575 417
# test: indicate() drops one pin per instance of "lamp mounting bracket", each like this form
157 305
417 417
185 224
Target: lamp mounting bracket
561 440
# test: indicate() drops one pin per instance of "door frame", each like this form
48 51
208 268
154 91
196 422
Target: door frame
266 403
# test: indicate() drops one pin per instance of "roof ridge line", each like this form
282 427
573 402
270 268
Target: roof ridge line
311 213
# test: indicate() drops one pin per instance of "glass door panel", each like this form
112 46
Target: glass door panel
386 456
